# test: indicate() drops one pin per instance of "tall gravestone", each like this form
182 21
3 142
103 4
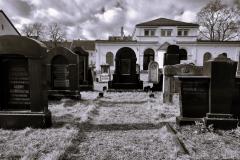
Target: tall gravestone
85 72
125 76
23 85
62 69
153 75
222 71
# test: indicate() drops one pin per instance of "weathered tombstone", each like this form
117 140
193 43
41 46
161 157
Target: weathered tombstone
172 56
125 76
222 71
153 75
23 86
105 75
158 86
193 98
137 68
182 54
171 85
85 73
62 69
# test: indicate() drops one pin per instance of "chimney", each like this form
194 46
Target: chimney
122 32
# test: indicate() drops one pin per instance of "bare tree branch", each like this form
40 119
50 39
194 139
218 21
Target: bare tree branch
219 21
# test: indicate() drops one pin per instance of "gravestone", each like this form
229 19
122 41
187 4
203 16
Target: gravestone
137 68
153 75
158 86
125 76
85 72
193 98
172 56
23 86
62 69
222 71
105 75
170 84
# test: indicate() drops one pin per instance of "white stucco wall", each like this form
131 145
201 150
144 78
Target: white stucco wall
5 27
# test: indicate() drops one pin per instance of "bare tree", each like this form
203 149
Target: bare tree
56 33
218 21
27 30
34 30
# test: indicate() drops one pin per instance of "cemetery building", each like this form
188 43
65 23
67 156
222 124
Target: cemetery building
6 26
150 40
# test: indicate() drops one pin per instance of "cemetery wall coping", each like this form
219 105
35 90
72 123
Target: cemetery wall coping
28 47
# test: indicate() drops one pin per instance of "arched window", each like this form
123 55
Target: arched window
224 54
183 54
109 58
207 56
148 57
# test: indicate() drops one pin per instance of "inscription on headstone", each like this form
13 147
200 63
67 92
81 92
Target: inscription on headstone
19 93
61 75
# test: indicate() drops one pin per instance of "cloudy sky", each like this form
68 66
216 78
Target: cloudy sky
98 19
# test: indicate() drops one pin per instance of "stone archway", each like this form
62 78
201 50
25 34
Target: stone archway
60 72
148 56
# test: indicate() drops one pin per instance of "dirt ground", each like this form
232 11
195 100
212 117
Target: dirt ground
126 125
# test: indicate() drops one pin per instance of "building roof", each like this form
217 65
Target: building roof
84 44
165 22
1 11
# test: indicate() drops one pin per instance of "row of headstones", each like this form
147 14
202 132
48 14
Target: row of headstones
29 72
209 93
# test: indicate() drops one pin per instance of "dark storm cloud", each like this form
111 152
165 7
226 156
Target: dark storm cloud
95 19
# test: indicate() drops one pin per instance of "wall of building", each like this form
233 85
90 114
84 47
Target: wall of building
5 26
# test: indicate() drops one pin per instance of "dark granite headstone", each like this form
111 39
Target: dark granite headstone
158 86
125 76
222 71
172 56
193 98
183 54
23 86
85 72
62 69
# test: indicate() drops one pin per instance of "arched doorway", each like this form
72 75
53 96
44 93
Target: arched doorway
207 56
148 57
60 72
109 58
126 61
183 54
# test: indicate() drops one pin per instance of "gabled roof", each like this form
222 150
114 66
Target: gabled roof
165 22
84 44
164 46
1 11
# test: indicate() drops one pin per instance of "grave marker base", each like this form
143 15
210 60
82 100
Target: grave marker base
59 94
23 119
187 120
221 121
